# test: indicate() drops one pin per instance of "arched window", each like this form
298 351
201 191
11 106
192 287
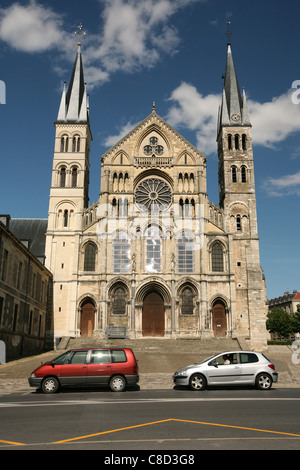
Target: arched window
120 207
193 206
126 182
63 173
90 257
217 261
76 144
64 143
115 182
114 207
181 205
180 183
244 142
229 142
237 142
187 301
238 223
66 218
74 177
119 301
185 253
125 207
121 253
186 208
153 250
233 174
244 174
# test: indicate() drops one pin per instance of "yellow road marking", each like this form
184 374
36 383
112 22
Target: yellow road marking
238 427
160 422
175 420
12 443
112 431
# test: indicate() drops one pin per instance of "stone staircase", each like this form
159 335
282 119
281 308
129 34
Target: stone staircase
161 345
158 358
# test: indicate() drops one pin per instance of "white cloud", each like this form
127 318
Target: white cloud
113 139
197 113
31 28
284 186
275 120
272 122
135 34
286 181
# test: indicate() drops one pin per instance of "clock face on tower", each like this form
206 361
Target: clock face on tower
153 148
235 117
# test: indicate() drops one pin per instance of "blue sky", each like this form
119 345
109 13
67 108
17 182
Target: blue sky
172 52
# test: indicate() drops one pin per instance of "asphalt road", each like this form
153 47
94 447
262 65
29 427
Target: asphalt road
169 422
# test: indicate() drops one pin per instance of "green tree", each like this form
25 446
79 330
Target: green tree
280 322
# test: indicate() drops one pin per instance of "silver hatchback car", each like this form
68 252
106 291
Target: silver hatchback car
229 368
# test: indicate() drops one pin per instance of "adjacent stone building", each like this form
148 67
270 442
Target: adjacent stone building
25 296
153 256
288 302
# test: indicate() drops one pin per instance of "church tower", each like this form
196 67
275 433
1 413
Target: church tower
69 189
238 201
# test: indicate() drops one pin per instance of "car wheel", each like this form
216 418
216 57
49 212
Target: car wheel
198 382
50 385
264 381
117 383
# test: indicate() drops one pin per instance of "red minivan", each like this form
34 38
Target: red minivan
113 367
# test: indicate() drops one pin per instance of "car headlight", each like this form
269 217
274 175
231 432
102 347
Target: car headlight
32 376
180 373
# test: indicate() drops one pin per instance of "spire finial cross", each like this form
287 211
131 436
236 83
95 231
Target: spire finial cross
79 32
228 32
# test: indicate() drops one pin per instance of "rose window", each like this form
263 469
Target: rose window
153 195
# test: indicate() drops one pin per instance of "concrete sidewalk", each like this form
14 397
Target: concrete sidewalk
157 360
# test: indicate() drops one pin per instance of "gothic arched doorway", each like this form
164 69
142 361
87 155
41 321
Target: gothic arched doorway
219 322
87 322
153 318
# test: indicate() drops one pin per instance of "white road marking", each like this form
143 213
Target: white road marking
135 401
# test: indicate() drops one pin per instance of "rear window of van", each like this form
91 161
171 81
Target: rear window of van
118 355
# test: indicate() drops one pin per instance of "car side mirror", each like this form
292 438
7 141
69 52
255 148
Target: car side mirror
213 363
52 364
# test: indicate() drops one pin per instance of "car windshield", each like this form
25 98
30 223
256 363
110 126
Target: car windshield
60 359
207 359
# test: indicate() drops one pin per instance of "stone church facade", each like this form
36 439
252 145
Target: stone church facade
153 255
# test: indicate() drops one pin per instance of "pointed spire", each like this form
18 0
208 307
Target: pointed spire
232 89
224 112
245 111
83 115
73 107
62 109
234 109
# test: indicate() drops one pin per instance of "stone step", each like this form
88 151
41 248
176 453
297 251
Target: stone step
160 355
162 346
